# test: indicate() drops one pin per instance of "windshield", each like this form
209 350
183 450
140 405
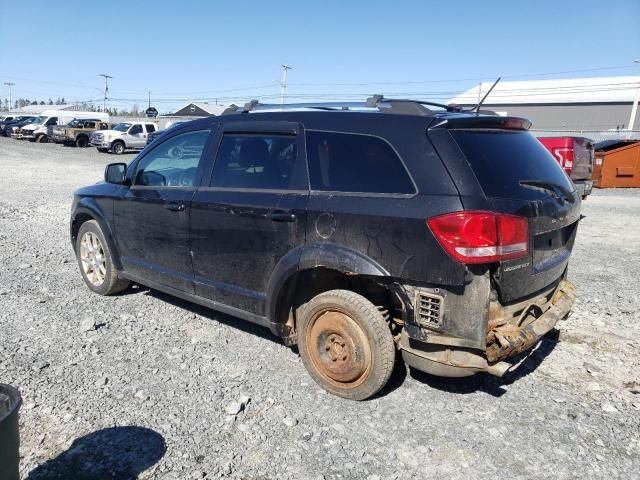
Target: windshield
122 127
503 160
40 120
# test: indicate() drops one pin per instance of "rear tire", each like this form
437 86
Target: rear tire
96 262
345 344
117 148
103 150
82 141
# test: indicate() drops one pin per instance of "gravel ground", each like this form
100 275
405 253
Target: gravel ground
142 385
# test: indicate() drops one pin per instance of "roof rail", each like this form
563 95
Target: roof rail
408 104
387 105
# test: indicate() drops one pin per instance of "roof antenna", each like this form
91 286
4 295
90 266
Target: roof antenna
477 107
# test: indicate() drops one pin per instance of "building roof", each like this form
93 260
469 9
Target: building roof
210 108
565 90
36 109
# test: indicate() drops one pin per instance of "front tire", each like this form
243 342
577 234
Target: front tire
345 344
42 139
96 262
117 148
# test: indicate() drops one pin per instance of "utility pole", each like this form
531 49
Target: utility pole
10 84
149 92
106 89
285 67
634 108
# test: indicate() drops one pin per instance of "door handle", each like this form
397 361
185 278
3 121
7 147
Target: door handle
175 206
280 216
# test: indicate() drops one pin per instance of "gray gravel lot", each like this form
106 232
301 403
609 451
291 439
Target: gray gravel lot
140 385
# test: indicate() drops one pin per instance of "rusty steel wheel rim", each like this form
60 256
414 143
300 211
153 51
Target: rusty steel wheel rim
338 348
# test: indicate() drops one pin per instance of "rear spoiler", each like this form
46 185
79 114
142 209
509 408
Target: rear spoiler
484 122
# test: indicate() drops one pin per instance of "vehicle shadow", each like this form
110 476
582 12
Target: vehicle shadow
133 289
526 362
216 316
398 377
116 453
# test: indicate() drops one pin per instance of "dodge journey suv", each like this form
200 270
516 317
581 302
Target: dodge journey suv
352 231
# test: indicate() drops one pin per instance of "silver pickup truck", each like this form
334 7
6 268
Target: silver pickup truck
123 136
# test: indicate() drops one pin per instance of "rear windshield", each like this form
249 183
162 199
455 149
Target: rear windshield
501 159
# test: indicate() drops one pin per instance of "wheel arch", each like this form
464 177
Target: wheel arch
314 269
82 135
86 210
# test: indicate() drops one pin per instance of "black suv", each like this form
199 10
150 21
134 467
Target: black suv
353 231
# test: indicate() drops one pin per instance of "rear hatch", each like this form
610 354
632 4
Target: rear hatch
517 175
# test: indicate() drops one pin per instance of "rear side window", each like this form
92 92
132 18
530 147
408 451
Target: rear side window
345 162
150 128
500 159
258 161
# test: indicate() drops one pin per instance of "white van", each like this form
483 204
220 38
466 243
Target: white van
38 130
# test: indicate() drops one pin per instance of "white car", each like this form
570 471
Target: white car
123 136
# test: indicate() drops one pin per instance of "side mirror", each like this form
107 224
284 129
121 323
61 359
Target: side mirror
116 173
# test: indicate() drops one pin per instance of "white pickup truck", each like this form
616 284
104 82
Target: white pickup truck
123 136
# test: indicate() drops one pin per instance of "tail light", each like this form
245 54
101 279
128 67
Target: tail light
564 156
481 237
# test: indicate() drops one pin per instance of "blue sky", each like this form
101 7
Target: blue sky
202 50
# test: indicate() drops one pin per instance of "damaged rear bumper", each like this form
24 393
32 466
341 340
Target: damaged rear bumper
510 330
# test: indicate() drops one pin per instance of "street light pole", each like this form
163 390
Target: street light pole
106 89
285 67
634 108
9 84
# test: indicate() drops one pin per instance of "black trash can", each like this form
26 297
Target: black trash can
10 402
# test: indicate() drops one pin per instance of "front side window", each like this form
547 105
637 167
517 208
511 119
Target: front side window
135 130
173 162
52 121
345 162
257 161
122 127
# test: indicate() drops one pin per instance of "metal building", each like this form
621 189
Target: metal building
571 104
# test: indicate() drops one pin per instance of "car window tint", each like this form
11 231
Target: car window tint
172 163
345 162
257 161
500 159
150 128
135 129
